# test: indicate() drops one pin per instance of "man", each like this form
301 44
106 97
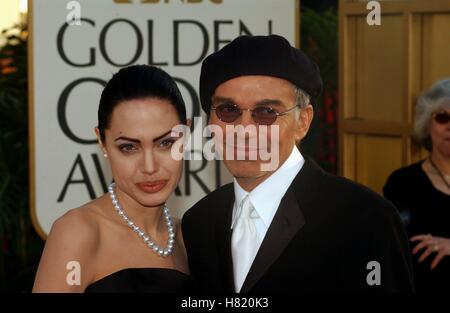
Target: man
295 228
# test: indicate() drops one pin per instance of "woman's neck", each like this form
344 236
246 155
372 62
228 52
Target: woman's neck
147 218
441 162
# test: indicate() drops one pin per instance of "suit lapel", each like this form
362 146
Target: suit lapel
288 220
223 233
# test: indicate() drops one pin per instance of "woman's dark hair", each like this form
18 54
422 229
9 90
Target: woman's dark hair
138 82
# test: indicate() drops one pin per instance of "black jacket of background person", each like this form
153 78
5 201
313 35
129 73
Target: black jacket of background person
322 237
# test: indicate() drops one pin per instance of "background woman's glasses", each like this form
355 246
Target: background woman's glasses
442 117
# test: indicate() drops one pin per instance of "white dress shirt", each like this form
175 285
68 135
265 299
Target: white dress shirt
266 197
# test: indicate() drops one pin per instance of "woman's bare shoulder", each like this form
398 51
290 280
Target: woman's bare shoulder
83 220
74 237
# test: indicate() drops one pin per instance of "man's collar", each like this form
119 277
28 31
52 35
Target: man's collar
271 190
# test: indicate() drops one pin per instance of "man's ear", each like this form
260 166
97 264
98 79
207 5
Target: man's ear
100 142
304 122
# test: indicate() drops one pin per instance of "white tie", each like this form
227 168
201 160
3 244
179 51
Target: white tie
244 242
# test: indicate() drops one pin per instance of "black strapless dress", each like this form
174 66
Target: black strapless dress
154 280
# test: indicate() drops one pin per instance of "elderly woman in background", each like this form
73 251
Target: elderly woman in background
421 191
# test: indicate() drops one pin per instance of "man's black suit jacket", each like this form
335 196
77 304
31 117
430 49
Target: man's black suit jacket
324 234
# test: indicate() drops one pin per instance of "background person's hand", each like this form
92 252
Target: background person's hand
433 244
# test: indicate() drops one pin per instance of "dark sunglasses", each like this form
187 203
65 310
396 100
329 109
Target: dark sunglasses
441 117
229 113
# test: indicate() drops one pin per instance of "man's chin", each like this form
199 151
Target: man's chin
245 169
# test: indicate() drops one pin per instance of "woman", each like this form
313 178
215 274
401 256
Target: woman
126 241
421 191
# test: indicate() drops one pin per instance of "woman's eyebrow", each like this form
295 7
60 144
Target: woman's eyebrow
163 135
127 139
138 141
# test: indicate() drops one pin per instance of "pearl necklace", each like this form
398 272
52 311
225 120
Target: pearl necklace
150 243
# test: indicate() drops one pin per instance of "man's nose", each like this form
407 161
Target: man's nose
246 118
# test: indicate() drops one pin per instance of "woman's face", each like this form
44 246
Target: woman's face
440 135
138 142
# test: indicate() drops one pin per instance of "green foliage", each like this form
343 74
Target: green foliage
20 245
319 39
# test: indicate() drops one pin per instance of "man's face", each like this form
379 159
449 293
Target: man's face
249 92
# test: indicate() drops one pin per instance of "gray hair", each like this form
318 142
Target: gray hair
431 101
302 99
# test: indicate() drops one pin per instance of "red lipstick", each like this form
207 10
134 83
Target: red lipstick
152 187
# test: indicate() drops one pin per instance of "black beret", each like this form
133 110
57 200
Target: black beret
259 55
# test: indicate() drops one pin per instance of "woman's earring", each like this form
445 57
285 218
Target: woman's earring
105 155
